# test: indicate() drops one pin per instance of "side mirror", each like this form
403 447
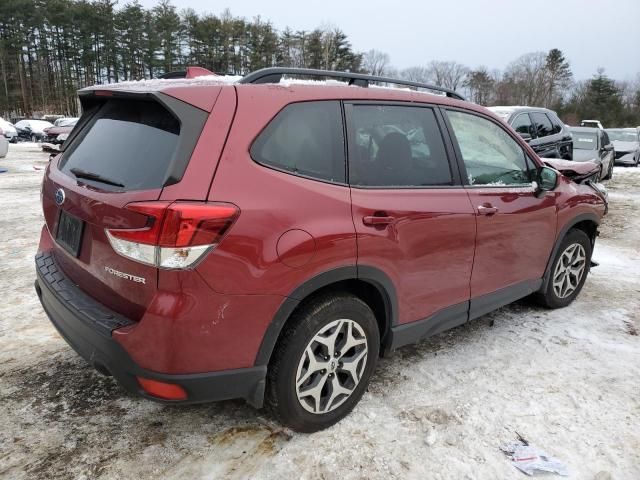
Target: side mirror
525 136
609 147
547 179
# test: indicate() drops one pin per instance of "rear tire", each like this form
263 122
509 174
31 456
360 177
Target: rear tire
568 272
323 362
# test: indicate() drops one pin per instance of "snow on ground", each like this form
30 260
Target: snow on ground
567 380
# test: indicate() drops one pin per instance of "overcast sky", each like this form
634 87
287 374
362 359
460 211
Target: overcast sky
591 33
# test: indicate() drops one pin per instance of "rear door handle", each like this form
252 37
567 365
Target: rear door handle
487 209
373 221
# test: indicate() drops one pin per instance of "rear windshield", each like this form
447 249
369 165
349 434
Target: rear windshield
129 142
585 141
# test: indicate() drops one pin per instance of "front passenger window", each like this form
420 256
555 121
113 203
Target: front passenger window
490 155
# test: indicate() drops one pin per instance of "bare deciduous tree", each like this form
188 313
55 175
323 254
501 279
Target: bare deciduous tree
525 78
416 74
447 74
375 62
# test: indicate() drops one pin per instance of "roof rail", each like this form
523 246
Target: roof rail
275 74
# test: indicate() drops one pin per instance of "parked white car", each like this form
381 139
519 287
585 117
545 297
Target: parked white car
65 121
8 131
4 146
32 129
592 124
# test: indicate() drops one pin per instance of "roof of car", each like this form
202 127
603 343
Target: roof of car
517 108
584 129
302 89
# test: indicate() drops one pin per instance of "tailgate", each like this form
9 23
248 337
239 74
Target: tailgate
126 148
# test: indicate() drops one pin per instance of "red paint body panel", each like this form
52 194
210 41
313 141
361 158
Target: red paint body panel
188 328
202 97
291 229
427 251
196 180
513 244
272 203
100 209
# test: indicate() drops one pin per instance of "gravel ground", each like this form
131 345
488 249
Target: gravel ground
566 380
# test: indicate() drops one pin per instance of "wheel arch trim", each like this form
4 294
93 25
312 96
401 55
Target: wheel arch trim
583 217
371 275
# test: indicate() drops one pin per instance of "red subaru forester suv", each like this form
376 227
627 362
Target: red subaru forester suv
269 239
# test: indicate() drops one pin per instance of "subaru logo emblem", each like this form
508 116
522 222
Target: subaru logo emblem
60 196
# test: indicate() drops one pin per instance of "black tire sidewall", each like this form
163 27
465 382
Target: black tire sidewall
318 314
573 236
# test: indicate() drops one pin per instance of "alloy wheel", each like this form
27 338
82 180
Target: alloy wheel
331 366
569 270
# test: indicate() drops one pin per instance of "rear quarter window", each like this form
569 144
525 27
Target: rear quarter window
131 142
304 139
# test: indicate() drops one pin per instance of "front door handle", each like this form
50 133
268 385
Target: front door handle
374 221
487 209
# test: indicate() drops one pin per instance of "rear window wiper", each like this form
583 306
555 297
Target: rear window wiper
79 173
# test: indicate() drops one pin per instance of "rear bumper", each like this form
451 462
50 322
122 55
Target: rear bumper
87 327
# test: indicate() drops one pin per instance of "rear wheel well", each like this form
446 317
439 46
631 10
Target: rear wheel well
364 290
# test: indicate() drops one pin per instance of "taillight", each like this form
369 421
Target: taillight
177 235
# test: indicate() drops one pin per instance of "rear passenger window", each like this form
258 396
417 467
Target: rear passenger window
396 146
305 139
542 123
522 124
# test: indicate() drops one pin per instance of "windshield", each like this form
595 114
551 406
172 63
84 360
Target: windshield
623 135
584 141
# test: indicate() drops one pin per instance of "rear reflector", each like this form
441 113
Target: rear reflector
166 391
177 235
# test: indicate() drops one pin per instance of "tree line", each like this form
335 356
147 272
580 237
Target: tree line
542 79
51 48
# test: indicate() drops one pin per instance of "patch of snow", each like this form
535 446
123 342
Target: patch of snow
566 379
159 83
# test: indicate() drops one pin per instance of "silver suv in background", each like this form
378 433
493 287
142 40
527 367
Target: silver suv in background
626 142
593 144
541 128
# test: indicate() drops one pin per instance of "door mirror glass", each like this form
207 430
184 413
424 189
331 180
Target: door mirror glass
547 179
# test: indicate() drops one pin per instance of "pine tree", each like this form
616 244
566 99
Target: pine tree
558 75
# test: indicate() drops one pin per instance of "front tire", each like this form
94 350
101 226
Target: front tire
323 363
569 270
609 172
